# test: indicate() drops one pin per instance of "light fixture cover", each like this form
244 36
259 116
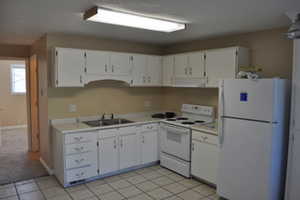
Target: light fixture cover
131 20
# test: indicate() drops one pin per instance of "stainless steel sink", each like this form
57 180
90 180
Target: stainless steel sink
107 122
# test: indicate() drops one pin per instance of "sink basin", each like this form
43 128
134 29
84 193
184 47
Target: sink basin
107 122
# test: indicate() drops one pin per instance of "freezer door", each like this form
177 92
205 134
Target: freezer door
244 164
248 99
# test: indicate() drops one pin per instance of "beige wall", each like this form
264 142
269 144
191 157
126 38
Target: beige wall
14 51
269 50
14 106
105 97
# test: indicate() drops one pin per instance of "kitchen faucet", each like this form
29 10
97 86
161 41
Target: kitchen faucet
103 116
112 116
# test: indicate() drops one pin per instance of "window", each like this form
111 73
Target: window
18 79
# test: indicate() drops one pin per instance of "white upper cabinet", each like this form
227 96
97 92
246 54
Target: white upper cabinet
139 63
168 71
189 69
97 62
121 64
181 65
76 67
154 70
196 64
147 70
69 67
224 64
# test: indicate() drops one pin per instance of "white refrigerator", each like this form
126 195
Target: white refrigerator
253 133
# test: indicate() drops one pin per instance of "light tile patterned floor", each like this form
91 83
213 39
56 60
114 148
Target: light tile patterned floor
152 183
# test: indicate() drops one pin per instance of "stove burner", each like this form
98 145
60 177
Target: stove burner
187 123
182 118
199 121
171 119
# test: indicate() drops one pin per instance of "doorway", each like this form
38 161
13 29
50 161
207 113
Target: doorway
19 137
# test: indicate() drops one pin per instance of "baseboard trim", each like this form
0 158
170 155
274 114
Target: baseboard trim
13 127
49 170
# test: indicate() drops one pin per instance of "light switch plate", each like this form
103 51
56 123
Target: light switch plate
72 108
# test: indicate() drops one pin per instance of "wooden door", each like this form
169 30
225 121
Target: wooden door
34 105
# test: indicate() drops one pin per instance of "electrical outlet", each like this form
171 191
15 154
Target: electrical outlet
72 108
147 104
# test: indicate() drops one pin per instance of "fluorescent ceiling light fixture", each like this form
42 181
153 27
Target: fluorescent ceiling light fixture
131 20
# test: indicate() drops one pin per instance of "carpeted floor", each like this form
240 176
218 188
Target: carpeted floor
16 163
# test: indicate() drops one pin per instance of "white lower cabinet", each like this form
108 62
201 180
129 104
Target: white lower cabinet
86 155
205 153
128 150
108 156
149 143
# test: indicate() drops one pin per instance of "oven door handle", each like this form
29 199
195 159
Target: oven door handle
177 130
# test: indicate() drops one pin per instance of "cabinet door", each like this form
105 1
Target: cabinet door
196 65
70 64
139 70
168 70
108 155
97 62
121 64
128 150
220 64
154 70
204 161
181 65
149 147
296 86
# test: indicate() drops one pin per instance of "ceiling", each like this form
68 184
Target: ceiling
24 21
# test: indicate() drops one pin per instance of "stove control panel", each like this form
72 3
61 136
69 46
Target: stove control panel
198 109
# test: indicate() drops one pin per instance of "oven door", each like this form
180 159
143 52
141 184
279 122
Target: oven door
176 141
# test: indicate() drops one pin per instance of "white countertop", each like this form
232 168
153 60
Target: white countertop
74 125
71 125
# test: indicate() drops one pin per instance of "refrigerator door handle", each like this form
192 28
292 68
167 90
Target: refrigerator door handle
221 113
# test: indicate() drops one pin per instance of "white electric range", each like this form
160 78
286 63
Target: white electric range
176 137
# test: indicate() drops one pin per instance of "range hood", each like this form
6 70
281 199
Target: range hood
294 30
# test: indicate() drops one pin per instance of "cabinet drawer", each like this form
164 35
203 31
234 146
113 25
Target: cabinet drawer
204 137
78 148
79 160
82 173
149 127
80 137
107 133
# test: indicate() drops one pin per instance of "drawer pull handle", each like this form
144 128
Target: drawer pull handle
78 138
204 137
79 174
79 161
79 148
